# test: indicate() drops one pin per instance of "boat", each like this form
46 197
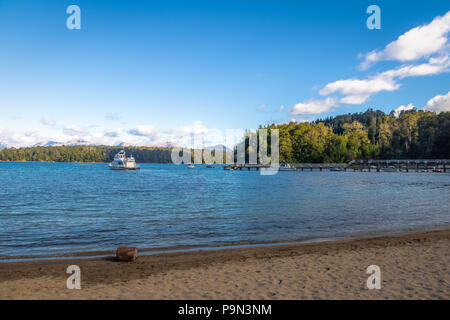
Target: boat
228 168
190 166
121 162
210 166
287 167
336 169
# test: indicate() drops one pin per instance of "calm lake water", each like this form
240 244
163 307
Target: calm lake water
48 208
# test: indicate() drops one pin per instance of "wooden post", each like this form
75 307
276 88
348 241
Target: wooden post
126 253
445 168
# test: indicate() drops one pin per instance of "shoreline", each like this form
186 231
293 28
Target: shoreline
75 255
414 266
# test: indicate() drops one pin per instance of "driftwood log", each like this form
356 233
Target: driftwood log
126 253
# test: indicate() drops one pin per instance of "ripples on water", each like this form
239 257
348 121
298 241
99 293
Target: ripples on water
63 207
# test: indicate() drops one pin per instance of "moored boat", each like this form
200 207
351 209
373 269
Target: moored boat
286 167
190 166
121 162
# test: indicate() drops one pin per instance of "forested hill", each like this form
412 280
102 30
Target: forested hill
368 135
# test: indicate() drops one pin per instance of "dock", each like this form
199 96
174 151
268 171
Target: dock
362 165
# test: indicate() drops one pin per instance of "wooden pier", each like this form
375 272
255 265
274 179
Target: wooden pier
248 166
439 165
400 165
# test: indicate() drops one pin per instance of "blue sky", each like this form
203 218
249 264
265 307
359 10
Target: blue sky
146 72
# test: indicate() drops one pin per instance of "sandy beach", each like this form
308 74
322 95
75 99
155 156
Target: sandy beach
413 266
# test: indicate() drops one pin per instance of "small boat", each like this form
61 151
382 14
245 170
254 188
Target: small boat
228 168
336 169
190 166
121 162
287 167
210 166
438 170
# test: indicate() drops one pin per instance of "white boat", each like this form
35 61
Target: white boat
190 166
287 167
121 162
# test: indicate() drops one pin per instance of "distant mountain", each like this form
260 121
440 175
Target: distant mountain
167 144
78 142
122 144
48 144
74 142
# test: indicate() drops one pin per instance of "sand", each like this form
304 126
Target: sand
413 266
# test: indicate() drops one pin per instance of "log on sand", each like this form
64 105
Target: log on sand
126 253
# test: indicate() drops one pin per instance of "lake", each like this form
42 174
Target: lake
51 208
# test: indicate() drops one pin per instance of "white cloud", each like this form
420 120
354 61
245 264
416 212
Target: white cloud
355 99
406 48
439 103
144 131
114 133
360 88
11 138
433 66
73 130
197 128
313 106
47 122
419 42
400 109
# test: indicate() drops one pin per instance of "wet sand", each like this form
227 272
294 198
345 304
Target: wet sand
413 266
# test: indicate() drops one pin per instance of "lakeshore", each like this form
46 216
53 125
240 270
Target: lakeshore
413 266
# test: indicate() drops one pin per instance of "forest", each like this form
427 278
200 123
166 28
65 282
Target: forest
369 135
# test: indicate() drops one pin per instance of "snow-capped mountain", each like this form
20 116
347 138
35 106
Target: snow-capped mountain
51 143
78 142
48 144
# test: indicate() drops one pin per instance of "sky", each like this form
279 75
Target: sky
152 72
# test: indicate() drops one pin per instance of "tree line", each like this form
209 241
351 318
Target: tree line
84 154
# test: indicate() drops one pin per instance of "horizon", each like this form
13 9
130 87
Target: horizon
156 73
235 135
